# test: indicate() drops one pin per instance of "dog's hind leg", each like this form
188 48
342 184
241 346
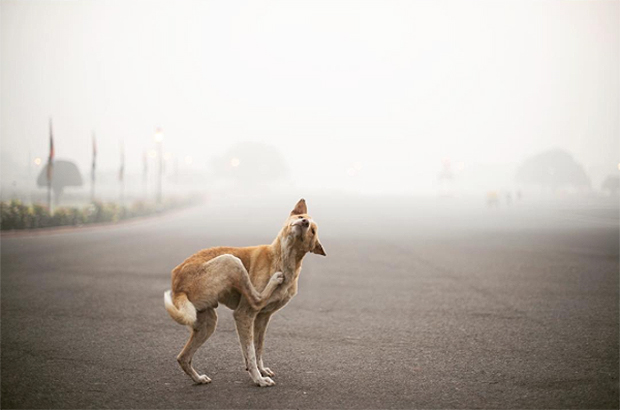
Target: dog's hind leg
257 300
202 329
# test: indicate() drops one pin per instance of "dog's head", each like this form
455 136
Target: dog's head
303 230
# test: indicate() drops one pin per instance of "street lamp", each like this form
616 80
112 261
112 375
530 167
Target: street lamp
159 138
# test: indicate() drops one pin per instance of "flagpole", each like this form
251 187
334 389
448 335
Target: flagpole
145 175
49 195
121 175
92 170
50 171
29 175
159 137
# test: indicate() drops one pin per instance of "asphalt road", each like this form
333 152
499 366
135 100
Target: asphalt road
414 307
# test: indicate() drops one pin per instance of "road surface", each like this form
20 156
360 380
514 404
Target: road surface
414 307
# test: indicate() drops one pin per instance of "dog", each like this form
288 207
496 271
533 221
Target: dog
255 282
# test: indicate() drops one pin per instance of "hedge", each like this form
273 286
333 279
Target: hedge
16 215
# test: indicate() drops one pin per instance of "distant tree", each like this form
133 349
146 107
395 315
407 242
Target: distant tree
65 174
611 184
251 163
553 169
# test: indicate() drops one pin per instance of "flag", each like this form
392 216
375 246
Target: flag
94 166
121 171
50 160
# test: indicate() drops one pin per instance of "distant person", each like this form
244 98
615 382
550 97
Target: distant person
492 199
508 198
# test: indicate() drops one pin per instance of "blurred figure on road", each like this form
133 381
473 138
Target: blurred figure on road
492 199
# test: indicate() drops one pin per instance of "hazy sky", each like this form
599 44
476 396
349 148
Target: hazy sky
389 88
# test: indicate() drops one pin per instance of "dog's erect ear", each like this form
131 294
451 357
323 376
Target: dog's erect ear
318 249
300 208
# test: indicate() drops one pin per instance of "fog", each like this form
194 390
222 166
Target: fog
373 98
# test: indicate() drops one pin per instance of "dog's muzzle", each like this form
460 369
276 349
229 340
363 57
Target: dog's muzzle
304 223
300 225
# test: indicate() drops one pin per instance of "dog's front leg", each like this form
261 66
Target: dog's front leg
260 328
244 321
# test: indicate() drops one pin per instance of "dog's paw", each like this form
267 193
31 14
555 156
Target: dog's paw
278 277
267 372
264 382
203 379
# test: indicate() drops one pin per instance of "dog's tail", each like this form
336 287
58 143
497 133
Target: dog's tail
185 313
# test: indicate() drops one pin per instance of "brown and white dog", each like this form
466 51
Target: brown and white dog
255 282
